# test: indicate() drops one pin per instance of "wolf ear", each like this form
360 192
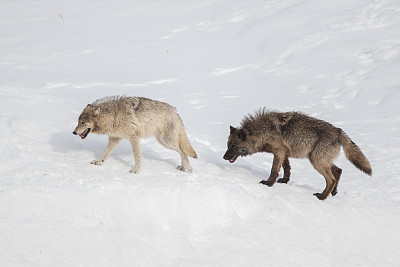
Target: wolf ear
233 129
96 112
242 134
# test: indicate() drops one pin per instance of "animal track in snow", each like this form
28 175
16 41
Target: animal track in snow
306 42
369 17
379 52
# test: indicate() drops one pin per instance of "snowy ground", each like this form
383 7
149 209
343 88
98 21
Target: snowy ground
214 61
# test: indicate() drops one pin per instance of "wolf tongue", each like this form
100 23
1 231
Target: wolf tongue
83 133
233 159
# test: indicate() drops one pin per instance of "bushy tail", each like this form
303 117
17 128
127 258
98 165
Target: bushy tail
185 145
354 155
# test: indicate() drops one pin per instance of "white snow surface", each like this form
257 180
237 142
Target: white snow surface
215 61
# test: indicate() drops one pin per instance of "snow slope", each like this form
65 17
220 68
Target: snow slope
215 61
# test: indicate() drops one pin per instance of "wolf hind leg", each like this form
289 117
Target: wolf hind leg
137 154
330 182
170 140
286 172
185 164
112 143
337 172
322 160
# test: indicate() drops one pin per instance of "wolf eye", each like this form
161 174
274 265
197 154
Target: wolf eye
83 122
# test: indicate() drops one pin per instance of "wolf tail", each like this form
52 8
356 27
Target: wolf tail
353 154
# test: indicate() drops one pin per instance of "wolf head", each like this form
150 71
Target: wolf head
86 121
237 144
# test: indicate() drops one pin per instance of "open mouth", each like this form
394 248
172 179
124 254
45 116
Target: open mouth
232 160
85 133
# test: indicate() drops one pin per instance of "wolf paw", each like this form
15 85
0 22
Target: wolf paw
267 183
181 168
97 162
283 180
135 170
319 196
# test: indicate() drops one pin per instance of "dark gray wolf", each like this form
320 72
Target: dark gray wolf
132 118
293 134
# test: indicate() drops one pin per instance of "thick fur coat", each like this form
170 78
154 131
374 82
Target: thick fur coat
132 118
296 135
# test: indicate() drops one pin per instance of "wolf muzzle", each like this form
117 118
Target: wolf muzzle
84 134
231 155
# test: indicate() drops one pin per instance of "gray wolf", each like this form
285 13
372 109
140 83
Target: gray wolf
296 135
132 118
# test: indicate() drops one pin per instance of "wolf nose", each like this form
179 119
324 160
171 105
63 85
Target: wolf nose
74 133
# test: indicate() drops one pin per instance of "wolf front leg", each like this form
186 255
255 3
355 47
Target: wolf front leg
276 166
135 143
286 171
112 143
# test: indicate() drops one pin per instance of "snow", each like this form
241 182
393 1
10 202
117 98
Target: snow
215 61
